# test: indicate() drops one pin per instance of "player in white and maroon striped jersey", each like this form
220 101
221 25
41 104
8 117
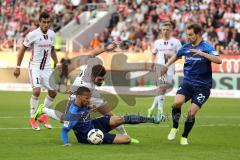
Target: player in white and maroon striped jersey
41 42
164 48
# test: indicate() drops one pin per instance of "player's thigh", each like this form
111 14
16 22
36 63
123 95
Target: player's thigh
35 77
201 95
179 100
108 138
100 103
102 123
184 93
121 139
48 79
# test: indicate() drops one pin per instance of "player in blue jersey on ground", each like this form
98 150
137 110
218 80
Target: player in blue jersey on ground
197 80
78 119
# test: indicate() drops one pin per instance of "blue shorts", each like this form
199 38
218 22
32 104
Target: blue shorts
198 94
102 123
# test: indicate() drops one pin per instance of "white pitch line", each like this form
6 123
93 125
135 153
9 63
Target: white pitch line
24 128
12 117
144 126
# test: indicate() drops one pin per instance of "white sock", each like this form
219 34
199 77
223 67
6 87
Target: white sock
161 99
33 105
155 102
121 129
52 113
48 101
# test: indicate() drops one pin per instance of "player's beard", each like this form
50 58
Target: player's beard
98 84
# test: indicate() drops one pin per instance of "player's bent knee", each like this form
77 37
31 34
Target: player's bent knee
36 91
122 139
192 113
179 101
178 104
52 94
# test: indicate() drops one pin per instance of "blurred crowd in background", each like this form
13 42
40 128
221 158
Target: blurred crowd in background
135 20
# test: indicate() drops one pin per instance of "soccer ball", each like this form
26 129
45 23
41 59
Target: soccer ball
95 136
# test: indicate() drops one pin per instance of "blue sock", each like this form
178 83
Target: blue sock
136 119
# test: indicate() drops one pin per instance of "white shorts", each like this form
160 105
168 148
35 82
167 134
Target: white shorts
164 80
41 78
96 99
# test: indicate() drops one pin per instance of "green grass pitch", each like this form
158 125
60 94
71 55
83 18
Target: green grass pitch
215 135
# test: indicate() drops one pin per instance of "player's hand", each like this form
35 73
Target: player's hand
67 145
111 46
163 70
196 52
16 72
93 108
58 65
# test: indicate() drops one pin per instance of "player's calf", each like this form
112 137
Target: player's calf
136 119
121 139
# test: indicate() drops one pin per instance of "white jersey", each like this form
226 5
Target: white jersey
41 45
163 49
84 79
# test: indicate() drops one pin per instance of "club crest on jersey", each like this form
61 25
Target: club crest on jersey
66 123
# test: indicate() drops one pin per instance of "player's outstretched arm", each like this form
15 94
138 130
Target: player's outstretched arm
19 60
172 60
64 136
212 58
107 48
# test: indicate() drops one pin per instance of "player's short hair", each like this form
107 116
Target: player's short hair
98 70
197 29
43 15
166 23
81 90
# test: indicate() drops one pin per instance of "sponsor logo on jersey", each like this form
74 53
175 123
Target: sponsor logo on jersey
193 58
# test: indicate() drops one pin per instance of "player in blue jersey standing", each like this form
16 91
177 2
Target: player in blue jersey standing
197 81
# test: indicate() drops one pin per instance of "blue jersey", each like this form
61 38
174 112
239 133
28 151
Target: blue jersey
78 119
197 69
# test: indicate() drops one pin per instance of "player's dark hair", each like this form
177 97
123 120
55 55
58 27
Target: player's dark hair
81 90
98 70
166 23
43 15
197 29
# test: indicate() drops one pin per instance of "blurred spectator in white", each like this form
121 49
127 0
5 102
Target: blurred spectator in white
58 7
139 16
115 34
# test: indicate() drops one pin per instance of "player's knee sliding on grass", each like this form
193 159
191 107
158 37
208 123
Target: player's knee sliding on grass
78 119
